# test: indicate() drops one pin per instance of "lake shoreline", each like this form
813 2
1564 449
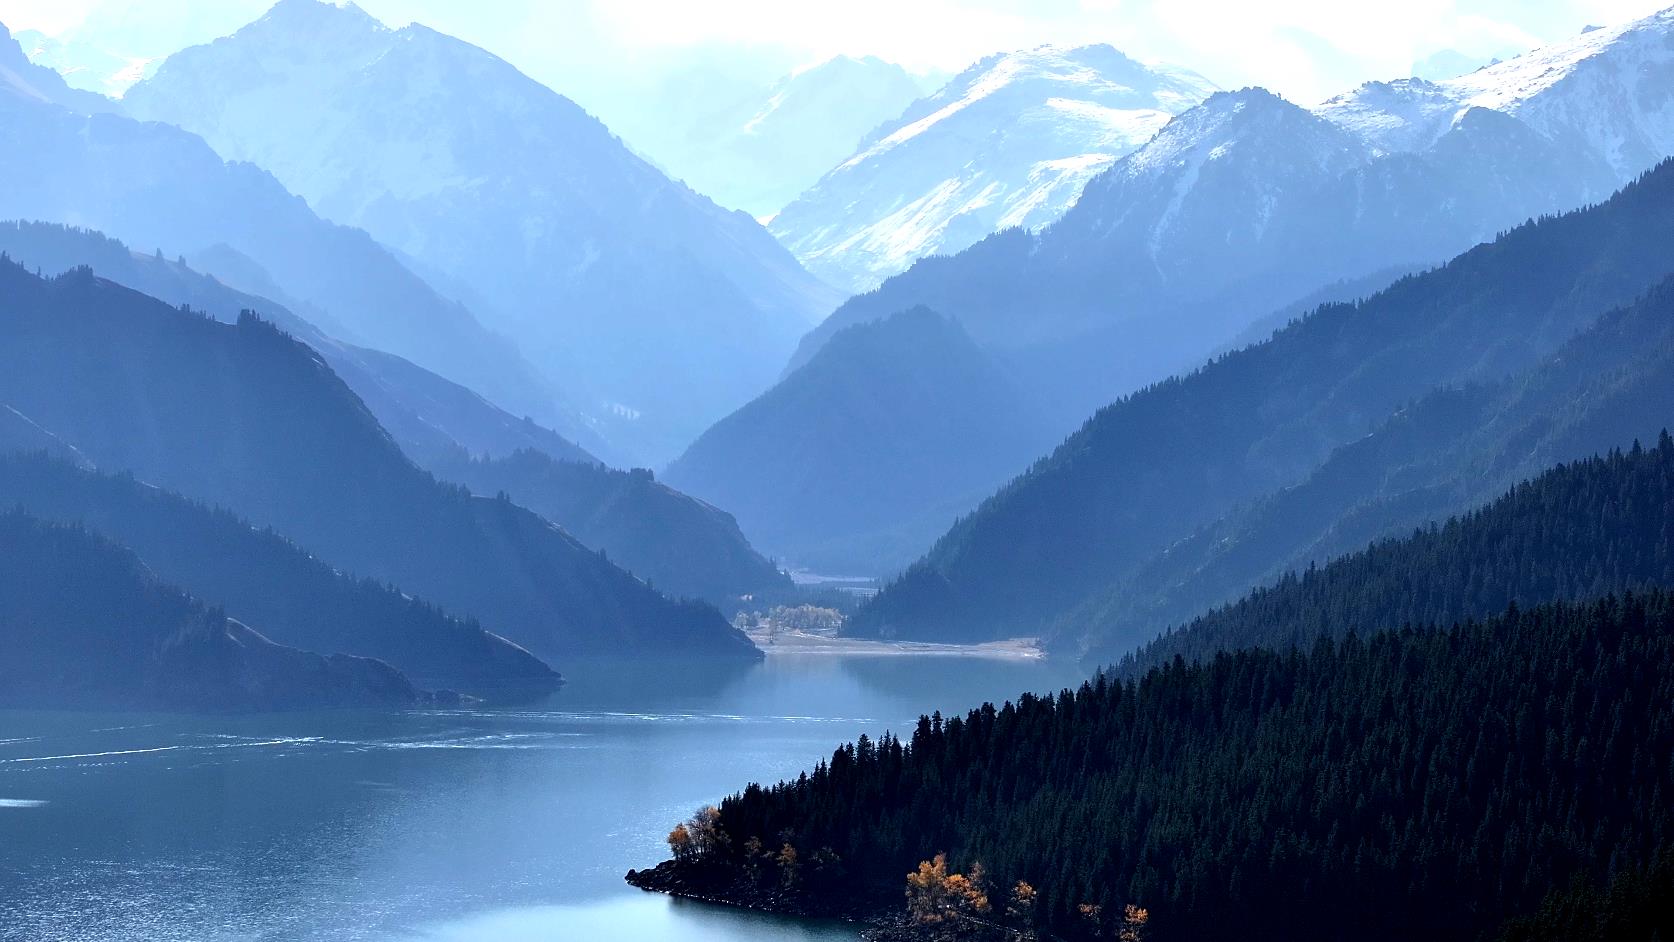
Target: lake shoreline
782 641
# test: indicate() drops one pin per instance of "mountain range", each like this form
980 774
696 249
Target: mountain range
1152 468
1247 209
244 416
1009 142
661 309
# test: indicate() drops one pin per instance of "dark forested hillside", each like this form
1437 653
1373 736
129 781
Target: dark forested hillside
428 415
84 625
681 545
1578 531
1412 784
1453 450
263 579
1150 469
859 458
243 416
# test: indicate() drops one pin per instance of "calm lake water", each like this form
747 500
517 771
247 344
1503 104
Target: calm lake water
440 826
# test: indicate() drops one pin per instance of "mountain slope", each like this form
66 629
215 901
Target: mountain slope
1590 528
429 416
611 278
160 187
758 153
243 416
262 579
1454 449
1009 142
862 455
679 544
1152 468
85 626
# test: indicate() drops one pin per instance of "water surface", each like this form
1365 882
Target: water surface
456 825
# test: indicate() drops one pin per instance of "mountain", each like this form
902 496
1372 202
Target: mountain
1410 784
243 416
1007 143
1588 528
680 545
159 187
758 152
1247 203
431 417
85 65
22 77
263 579
860 457
1453 449
616 281
1150 469
1603 94
86 626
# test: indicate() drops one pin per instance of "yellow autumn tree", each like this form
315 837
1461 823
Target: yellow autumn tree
1134 920
1021 909
789 865
680 843
935 896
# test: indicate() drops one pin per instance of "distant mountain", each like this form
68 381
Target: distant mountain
1154 467
1009 142
1604 94
680 545
758 152
860 457
1454 449
1247 203
615 280
1594 527
243 416
431 417
85 65
159 187
263 579
86 626
22 77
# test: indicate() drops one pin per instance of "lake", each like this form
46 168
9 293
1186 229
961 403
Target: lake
433 826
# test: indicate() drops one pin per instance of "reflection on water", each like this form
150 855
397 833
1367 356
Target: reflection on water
450 825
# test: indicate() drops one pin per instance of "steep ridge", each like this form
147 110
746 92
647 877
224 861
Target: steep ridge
1153 467
1008 143
1247 203
860 457
613 279
159 187
243 416
1451 450
1604 525
431 417
85 626
263 579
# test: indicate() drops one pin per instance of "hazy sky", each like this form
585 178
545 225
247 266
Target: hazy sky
1304 49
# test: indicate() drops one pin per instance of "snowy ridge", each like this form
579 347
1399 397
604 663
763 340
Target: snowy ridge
1606 92
1008 143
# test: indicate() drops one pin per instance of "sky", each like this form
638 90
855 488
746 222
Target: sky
609 53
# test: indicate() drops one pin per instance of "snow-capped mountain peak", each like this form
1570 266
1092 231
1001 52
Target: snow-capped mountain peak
1605 91
1008 142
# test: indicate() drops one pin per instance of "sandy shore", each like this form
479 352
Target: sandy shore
799 642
